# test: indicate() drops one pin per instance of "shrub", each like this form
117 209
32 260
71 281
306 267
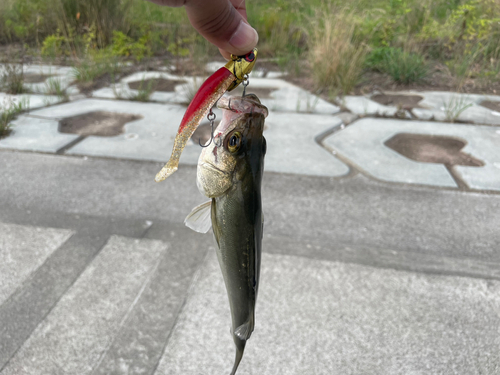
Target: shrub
403 66
336 57
53 46
9 110
124 45
12 79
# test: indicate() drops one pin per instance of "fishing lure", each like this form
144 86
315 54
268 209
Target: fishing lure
225 79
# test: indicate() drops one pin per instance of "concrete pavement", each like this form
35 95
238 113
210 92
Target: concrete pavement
375 262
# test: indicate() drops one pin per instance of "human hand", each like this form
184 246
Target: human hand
221 22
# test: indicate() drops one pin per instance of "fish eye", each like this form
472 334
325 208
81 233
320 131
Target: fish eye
234 142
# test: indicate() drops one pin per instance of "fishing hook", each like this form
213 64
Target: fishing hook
245 83
211 117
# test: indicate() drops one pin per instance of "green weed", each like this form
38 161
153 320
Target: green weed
335 56
12 79
53 86
144 92
455 106
403 66
9 110
124 45
96 65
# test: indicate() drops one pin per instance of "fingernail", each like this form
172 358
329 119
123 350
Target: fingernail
244 38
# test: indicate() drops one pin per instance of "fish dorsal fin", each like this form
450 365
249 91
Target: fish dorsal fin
200 219
244 331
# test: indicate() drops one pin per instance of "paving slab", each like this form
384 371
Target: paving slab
179 95
31 101
149 138
292 147
362 105
22 250
320 317
257 72
284 97
62 74
451 106
363 144
36 134
83 324
141 341
152 136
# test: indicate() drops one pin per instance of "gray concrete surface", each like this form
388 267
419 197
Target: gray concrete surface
392 278
320 317
74 335
292 147
22 250
367 269
36 134
362 143
31 101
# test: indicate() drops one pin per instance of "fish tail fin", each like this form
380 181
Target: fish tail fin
240 348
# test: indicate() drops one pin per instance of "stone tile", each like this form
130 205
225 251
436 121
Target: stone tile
32 101
29 305
255 73
450 106
35 134
363 106
122 90
63 74
292 148
320 317
22 250
363 144
82 325
140 343
151 138
285 98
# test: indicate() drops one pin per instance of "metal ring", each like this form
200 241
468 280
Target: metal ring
211 116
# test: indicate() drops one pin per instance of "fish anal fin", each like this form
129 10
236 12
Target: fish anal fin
244 331
200 218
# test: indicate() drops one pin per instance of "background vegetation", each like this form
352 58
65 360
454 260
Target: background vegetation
333 44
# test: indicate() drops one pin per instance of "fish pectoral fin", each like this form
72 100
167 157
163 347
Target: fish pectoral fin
244 331
200 219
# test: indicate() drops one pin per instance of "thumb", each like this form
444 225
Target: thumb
223 23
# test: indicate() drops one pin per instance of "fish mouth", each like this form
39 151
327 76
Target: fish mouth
211 167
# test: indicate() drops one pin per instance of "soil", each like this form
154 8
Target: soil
157 84
432 149
100 123
400 101
494 106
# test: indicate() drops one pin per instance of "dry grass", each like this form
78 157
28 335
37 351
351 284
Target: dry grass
336 58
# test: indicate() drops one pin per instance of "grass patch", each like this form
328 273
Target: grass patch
12 79
455 106
403 66
143 92
336 57
326 39
9 110
54 86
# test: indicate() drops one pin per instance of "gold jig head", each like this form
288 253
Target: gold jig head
240 66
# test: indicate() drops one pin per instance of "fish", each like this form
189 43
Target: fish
229 172
224 79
